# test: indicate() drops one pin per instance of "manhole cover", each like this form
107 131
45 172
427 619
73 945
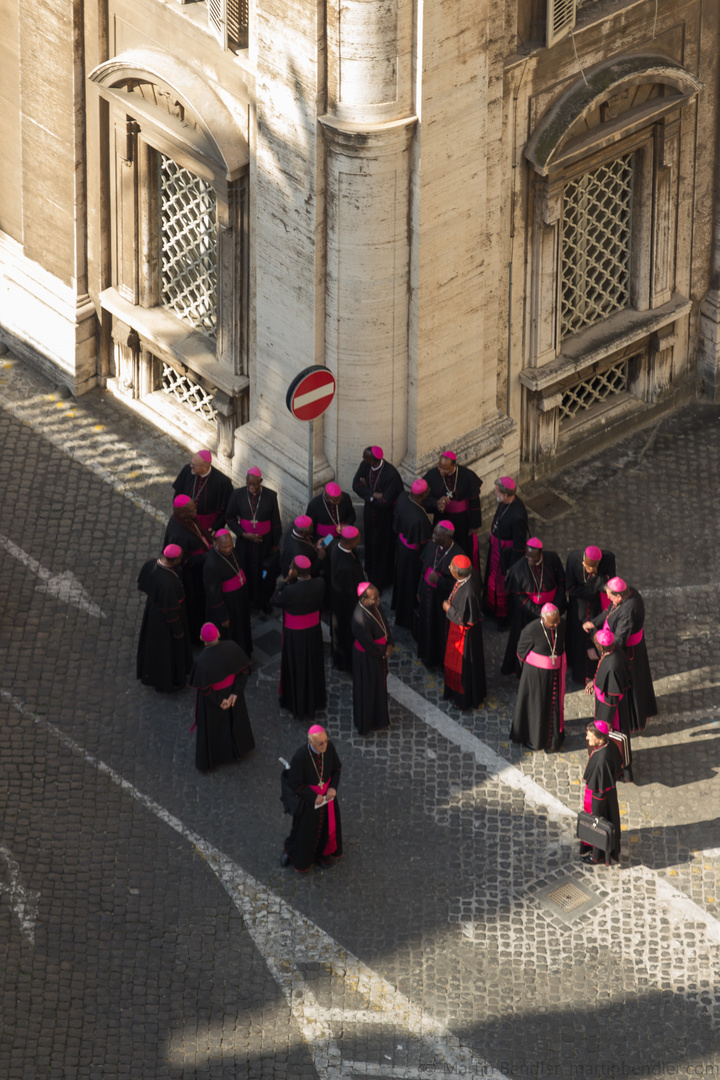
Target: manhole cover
547 504
568 899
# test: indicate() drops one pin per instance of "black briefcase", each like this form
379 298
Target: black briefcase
596 831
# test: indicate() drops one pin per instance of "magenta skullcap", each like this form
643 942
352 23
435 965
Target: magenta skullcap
350 532
333 490
209 632
172 551
303 522
449 454
377 452
445 524
508 483
533 542
363 587
181 500
254 471
205 455
594 554
302 562
548 609
616 585
316 729
222 532
605 637
602 726
418 486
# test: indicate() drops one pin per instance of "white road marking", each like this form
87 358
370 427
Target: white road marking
65 586
24 901
287 940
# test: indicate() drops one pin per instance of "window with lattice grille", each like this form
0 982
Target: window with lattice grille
185 391
596 245
560 20
228 20
581 397
188 246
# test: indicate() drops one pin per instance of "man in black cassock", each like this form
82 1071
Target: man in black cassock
302 664
378 484
454 495
184 529
221 717
330 510
346 573
465 683
626 618
413 529
298 540
601 773
508 534
164 655
226 592
373 646
208 488
254 517
586 575
435 586
610 689
539 720
316 833
537 579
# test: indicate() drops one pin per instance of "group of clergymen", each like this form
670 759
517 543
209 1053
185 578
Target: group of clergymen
225 552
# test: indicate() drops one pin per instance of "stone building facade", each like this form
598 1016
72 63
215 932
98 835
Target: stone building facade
496 221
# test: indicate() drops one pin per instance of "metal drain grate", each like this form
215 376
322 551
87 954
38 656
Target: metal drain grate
547 504
568 899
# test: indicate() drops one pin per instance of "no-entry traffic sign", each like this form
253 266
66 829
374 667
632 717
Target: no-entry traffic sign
310 393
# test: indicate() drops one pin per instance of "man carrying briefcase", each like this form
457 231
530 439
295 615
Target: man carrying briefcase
599 821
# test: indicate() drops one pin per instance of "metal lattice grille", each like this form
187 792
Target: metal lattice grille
597 230
188 241
188 393
598 388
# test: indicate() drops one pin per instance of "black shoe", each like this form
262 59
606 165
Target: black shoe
589 861
324 864
284 860
528 746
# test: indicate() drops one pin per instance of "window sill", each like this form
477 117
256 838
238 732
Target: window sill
172 340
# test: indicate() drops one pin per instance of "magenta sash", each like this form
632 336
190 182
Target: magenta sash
331 845
616 715
301 622
200 551
605 601
587 800
547 664
413 547
634 639
543 597
497 593
456 506
327 530
377 640
259 527
234 583
206 521
225 682
432 584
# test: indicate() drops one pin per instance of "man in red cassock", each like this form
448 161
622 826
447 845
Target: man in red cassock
465 683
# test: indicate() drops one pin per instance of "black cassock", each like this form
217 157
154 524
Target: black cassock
585 598
538 718
210 493
378 535
315 834
626 622
302 665
370 701
258 515
195 543
529 588
508 534
346 573
223 735
227 598
291 545
465 682
164 655
463 510
326 517
414 530
601 773
611 690
431 630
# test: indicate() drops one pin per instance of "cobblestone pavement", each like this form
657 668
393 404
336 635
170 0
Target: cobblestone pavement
148 929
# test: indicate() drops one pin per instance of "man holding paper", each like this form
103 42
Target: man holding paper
313 776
